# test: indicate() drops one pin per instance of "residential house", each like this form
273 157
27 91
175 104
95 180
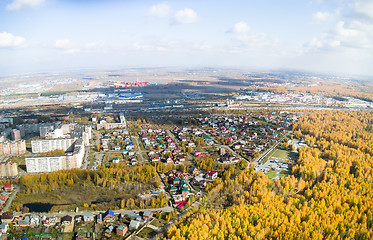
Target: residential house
108 216
183 183
172 189
175 181
194 171
8 187
222 151
117 148
83 236
53 220
7 217
4 227
212 175
181 157
46 222
184 191
155 159
169 160
134 224
130 147
191 144
109 230
201 183
67 220
4 196
88 217
105 147
99 218
147 214
150 153
121 230
116 160
25 221
209 142
34 219
181 204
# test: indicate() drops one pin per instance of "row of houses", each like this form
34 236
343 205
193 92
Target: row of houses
117 141
248 133
187 135
161 147
112 221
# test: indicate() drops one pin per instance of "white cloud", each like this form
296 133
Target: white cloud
240 28
23 4
65 43
94 45
185 16
322 16
149 47
201 47
352 32
159 10
66 46
346 35
8 40
364 8
243 34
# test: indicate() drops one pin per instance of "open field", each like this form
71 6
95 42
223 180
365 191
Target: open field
280 155
76 196
147 233
273 173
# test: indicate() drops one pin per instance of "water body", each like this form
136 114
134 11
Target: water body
40 207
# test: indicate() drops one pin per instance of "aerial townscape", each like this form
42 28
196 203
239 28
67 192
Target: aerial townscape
180 159
186 120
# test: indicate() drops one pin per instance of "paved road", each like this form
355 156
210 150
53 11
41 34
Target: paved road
85 164
10 200
61 214
139 151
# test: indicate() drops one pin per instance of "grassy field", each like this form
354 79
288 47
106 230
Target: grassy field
84 227
158 222
75 196
280 155
147 233
273 173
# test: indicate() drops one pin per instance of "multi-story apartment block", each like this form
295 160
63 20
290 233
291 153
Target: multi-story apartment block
47 145
16 135
8 169
12 147
69 160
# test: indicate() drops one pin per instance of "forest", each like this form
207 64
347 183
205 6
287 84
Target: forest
117 186
328 196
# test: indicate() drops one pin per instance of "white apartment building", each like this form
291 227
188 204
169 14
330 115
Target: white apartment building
69 160
47 145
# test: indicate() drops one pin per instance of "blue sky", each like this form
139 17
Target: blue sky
330 36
